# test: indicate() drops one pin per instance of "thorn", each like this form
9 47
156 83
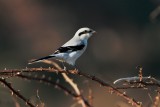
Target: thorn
2 78
55 86
12 93
124 93
66 93
49 68
26 102
18 73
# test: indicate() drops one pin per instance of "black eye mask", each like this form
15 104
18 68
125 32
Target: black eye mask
84 32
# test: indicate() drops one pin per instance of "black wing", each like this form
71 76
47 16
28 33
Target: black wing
69 49
40 59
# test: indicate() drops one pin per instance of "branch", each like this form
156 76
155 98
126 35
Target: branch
99 81
154 14
138 82
75 87
111 88
16 92
135 82
14 72
157 100
91 77
81 99
44 80
15 101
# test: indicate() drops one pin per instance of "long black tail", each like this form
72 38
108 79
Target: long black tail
40 59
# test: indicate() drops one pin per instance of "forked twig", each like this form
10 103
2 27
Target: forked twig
75 72
156 100
111 88
81 99
15 101
44 80
138 82
17 93
102 83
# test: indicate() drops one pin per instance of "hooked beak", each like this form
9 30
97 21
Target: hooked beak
94 32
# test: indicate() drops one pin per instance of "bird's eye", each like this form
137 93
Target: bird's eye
85 31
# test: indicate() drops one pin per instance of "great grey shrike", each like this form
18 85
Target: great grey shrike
71 50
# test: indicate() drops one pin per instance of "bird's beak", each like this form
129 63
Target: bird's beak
94 32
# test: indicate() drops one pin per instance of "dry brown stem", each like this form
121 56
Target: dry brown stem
81 99
112 89
99 81
17 93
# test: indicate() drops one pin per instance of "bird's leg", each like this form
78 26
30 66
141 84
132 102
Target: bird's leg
64 68
76 68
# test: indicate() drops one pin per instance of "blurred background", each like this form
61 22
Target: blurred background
128 35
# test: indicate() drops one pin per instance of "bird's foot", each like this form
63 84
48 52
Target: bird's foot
65 69
76 69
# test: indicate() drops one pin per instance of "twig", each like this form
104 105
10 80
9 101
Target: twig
134 82
14 72
90 96
154 14
136 79
140 82
138 85
16 92
91 77
81 99
157 100
111 88
15 101
44 80
66 90
42 104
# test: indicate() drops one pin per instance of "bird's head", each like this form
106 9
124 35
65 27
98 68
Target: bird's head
85 33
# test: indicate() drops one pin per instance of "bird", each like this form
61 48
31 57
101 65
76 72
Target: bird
71 50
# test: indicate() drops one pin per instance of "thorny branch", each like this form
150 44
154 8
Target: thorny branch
102 83
156 100
55 84
18 73
140 82
17 93
81 99
133 82
137 82
77 94
44 80
91 77
111 88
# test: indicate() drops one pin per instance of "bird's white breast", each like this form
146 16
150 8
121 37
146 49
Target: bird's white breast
73 56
